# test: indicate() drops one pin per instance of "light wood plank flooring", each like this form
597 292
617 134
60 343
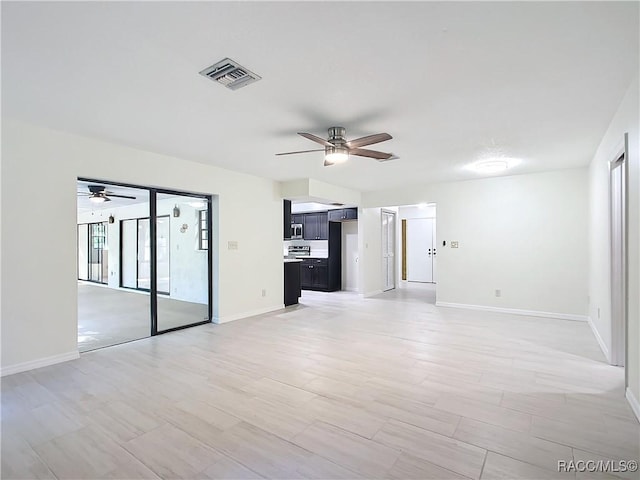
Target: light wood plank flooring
338 387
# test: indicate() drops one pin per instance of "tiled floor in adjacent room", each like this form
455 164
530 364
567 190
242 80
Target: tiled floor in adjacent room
339 387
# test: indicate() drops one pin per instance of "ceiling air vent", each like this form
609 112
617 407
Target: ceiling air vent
230 74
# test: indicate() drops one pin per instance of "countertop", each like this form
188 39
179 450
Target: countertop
292 260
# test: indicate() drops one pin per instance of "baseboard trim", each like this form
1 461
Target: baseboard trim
41 362
516 311
372 293
603 346
633 402
251 313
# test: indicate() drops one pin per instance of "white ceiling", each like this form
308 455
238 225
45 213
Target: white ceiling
541 81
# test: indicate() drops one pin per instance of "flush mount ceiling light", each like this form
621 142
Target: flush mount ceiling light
493 165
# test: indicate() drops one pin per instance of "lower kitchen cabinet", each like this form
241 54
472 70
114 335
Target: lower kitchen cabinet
324 274
314 274
292 285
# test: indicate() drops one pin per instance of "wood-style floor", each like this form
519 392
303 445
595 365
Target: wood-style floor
339 387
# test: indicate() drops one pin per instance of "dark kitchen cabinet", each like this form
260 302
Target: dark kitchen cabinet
342 214
306 281
297 218
325 274
292 271
286 215
314 274
316 226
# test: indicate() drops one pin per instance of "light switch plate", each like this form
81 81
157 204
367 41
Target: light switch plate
454 244
232 245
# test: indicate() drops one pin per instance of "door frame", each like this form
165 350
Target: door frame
619 274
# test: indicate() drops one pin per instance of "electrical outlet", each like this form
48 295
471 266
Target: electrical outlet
498 292
264 292
454 244
598 312
232 245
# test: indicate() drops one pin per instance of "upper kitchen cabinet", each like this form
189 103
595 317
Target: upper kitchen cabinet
316 226
297 218
342 214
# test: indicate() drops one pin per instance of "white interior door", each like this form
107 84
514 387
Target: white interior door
434 246
388 250
421 250
350 256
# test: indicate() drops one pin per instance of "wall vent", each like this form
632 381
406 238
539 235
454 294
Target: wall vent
230 74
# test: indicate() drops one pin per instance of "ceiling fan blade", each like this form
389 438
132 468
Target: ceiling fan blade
392 157
315 138
327 163
363 152
122 196
369 140
301 151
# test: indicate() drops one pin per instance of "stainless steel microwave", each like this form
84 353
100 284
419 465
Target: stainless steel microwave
296 231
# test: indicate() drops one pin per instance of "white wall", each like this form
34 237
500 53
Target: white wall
370 251
415 211
39 173
626 120
350 268
525 235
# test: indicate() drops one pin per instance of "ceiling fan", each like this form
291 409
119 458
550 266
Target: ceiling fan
337 148
100 194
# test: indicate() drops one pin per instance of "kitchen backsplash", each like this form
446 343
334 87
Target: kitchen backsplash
319 248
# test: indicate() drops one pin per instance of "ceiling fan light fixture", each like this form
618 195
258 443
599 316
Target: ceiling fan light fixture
333 155
97 199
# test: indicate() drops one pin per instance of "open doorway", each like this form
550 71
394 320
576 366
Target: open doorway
419 248
144 262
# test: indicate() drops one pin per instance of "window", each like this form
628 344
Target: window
204 230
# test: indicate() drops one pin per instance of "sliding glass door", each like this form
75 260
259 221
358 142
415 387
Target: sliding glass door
153 256
182 261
